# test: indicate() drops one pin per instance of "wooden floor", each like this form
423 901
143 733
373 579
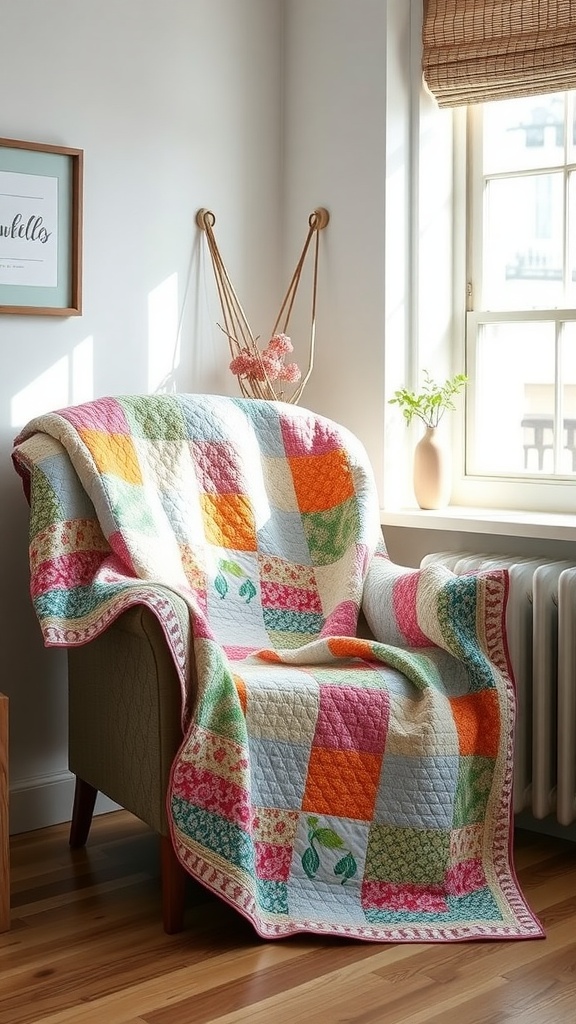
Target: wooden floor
87 946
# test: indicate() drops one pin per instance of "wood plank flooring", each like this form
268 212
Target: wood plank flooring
86 946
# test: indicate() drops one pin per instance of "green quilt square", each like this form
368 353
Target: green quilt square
219 709
418 856
157 417
129 508
46 507
272 896
330 533
475 778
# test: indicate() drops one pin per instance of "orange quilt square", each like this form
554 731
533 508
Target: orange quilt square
114 454
229 521
342 783
321 481
477 720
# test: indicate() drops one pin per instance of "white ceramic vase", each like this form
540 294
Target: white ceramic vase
432 477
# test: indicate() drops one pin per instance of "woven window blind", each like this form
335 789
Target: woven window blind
475 51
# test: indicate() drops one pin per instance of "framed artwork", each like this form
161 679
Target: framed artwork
40 229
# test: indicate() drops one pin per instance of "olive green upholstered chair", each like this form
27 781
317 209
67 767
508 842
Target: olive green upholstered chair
124 731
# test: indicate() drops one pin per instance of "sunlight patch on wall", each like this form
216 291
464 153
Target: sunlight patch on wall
163 339
68 381
82 371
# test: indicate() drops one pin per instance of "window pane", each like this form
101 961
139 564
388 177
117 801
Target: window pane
523 243
513 428
523 134
568 361
571 295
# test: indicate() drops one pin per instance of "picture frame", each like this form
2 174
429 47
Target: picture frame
41 193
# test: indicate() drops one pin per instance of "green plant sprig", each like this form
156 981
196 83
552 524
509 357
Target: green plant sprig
432 401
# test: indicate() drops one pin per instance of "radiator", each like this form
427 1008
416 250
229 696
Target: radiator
541 627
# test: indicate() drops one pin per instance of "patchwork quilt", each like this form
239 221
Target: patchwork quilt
326 783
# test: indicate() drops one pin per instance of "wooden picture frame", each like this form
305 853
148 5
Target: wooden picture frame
40 229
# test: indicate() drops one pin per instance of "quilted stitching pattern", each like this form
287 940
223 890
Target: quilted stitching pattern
327 784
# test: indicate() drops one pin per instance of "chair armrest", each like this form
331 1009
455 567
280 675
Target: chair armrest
125 708
387 586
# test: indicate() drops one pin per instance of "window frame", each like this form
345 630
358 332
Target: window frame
526 491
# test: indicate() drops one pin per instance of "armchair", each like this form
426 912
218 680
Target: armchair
321 738
124 727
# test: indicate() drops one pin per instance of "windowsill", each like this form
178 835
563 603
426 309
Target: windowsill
505 522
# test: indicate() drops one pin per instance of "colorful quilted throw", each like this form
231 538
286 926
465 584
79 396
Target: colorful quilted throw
326 783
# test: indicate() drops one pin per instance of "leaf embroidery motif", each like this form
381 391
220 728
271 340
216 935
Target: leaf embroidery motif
346 867
246 589
310 861
330 840
231 567
221 584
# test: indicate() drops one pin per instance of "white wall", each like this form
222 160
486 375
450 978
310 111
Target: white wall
363 139
260 110
176 106
335 148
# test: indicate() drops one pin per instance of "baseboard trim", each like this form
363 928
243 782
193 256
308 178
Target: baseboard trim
547 826
44 800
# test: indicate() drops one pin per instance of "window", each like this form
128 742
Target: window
521 285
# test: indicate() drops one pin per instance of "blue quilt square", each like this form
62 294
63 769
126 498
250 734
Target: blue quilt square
233 600
315 901
282 535
213 419
75 503
278 773
328 864
266 419
417 792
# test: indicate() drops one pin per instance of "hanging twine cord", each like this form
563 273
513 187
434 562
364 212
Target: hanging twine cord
236 327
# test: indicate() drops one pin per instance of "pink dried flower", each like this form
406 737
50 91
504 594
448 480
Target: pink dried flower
279 345
290 373
257 367
266 367
241 365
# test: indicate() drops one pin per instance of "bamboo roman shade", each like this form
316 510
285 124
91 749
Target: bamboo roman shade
478 50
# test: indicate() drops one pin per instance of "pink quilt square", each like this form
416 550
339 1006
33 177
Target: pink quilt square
273 861
351 718
218 468
106 415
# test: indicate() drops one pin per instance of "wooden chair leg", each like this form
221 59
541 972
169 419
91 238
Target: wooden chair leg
173 875
82 813
173 887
